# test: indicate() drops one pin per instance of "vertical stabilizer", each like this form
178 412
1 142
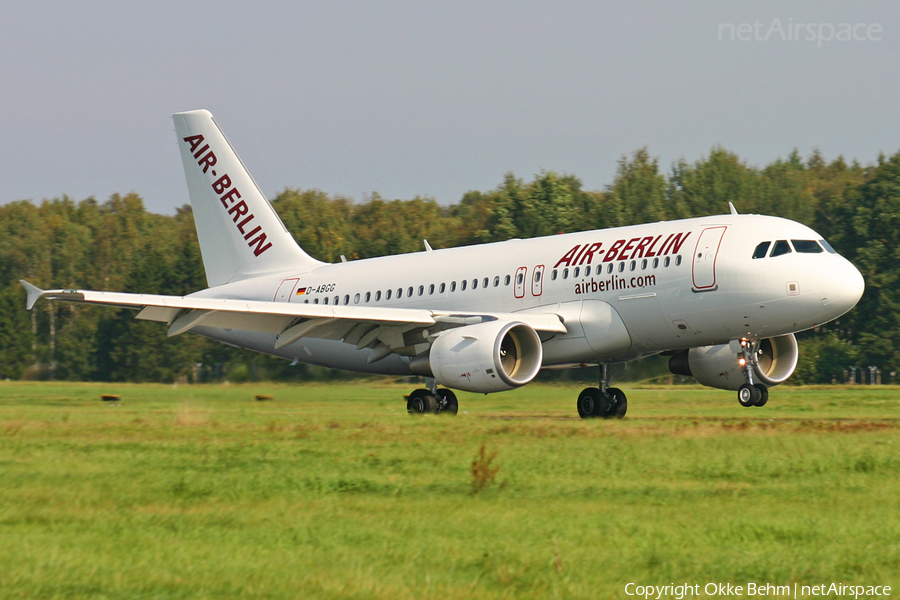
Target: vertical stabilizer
240 233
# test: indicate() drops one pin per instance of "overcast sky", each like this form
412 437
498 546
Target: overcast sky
432 98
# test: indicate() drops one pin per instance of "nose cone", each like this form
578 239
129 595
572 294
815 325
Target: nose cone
840 287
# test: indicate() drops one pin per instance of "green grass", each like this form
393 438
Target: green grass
332 491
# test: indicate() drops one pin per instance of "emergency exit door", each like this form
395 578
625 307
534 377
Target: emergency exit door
537 285
521 272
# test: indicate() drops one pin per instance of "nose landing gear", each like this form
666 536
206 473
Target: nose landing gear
751 394
603 402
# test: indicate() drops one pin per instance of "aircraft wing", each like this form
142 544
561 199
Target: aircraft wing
365 326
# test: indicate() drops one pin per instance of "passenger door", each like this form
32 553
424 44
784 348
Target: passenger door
285 290
704 261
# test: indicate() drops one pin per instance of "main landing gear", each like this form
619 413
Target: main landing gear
432 401
604 402
751 394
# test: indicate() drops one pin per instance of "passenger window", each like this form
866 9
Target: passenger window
399 293
827 246
644 265
506 280
452 286
667 261
346 299
537 276
316 300
633 265
587 270
484 283
781 247
378 295
474 284
655 263
576 272
761 250
409 292
677 260
621 267
356 299
421 289
443 287
430 289
496 281
325 301
463 284
387 295
520 278
368 296
609 268
806 246
565 273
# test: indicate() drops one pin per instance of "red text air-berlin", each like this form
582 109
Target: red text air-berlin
639 247
230 197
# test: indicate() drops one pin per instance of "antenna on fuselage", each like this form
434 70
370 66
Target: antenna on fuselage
733 209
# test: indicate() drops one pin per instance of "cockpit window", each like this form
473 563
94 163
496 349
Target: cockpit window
827 246
806 246
761 250
781 247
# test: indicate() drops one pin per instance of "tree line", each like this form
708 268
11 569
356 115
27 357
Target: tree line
118 245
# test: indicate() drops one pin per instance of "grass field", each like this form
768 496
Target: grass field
333 491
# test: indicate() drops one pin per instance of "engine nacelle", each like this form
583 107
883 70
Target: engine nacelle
718 366
486 357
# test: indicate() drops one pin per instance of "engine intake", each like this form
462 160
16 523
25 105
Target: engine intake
718 366
487 357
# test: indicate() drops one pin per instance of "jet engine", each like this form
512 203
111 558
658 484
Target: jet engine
487 357
719 366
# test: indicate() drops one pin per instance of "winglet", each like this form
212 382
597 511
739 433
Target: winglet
34 293
427 246
733 209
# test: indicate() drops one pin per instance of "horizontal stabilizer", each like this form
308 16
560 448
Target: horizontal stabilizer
34 293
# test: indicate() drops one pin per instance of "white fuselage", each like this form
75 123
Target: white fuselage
623 293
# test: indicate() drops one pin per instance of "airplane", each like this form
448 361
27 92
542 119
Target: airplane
722 296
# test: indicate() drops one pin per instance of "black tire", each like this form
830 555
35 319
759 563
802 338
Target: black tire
748 395
763 394
618 405
421 402
592 403
451 406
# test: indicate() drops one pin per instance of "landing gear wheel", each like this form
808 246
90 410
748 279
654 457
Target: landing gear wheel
592 403
748 395
450 405
618 405
763 394
421 402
